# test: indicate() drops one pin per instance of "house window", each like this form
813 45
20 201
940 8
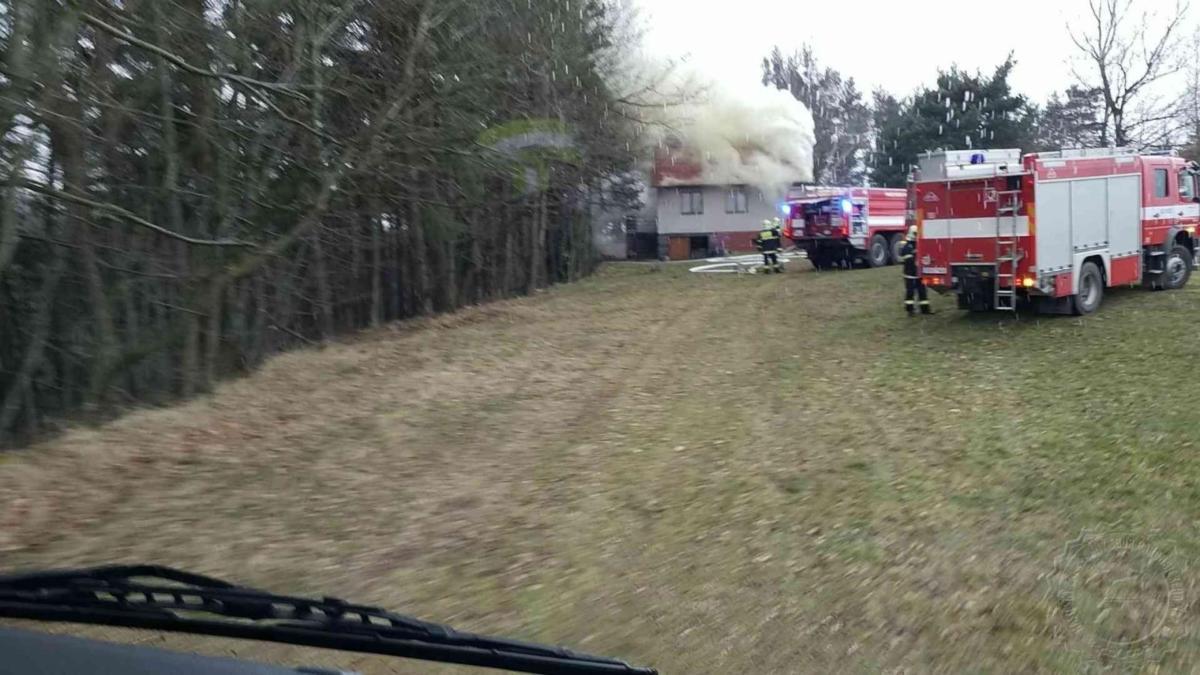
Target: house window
1186 191
691 202
1160 183
735 201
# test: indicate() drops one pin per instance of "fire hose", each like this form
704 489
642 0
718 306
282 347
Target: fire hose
742 264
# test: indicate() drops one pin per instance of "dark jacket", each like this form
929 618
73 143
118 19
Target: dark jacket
908 256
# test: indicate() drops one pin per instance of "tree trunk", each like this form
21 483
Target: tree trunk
133 336
166 370
190 374
397 265
15 63
212 338
317 151
259 321
353 313
508 225
374 222
477 276
75 181
35 349
190 368
535 244
324 301
240 325
420 251
450 273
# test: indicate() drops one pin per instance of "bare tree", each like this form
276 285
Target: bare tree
1190 104
1125 54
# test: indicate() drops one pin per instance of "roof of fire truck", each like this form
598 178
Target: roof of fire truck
811 194
946 165
956 164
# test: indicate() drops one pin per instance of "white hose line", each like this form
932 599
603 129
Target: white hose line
752 257
722 268
742 264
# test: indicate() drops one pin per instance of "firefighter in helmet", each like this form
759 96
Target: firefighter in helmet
914 288
768 242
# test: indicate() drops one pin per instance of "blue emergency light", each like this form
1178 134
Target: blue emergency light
977 158
785 209
847 206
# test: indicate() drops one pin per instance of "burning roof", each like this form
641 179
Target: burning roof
748 135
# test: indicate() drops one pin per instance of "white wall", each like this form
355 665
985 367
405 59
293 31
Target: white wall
714 219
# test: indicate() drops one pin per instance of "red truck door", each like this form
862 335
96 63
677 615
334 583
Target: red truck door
1160 200
1169 215
1186 196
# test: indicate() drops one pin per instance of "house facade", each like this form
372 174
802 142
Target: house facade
695 221
697 215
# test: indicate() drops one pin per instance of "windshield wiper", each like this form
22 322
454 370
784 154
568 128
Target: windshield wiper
161 598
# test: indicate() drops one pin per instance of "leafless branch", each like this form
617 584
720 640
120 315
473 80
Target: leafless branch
180 62
119 213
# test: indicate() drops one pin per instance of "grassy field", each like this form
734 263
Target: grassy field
709 474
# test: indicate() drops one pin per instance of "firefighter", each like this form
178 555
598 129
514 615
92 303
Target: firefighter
768 242
913 286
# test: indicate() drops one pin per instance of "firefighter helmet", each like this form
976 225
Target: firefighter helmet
912 232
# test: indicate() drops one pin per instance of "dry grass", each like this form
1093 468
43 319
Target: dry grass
706 474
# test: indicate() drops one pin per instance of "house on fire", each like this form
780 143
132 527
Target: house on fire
696 212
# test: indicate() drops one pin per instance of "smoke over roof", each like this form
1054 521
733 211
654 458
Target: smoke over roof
752 135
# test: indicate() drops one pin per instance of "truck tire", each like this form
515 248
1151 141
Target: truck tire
1177 268
896 243
879 253
1091 290
819 259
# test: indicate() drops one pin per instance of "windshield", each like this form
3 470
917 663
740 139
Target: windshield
601 323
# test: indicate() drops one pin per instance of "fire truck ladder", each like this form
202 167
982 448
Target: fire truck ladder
1007 253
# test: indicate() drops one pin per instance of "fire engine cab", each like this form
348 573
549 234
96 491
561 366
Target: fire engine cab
840 226
1052 229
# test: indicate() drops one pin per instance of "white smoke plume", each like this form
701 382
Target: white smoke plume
756 135
729 133
736 134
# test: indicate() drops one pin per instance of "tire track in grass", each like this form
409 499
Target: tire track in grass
609 543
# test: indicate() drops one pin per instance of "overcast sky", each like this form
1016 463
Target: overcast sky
889 43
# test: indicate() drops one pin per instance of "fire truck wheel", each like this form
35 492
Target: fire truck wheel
1177 268
897 244
877 256
1091 289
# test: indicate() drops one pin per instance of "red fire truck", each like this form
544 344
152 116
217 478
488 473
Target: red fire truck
1053 229
841 226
